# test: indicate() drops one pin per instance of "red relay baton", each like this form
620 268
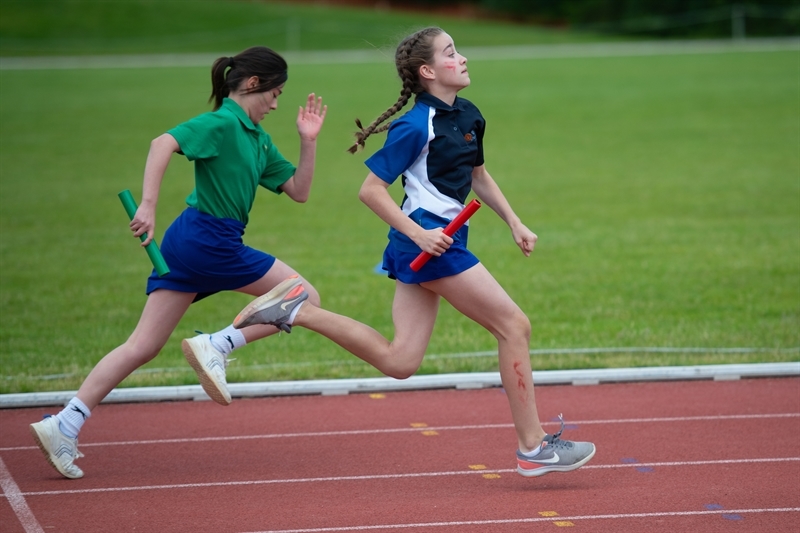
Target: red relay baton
449 230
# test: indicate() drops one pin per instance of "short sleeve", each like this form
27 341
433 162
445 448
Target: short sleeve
200 137
404 143
481 129
277 170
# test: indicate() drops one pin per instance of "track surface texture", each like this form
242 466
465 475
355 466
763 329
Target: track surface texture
699 456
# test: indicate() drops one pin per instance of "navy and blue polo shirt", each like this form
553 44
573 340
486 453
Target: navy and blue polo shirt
434 147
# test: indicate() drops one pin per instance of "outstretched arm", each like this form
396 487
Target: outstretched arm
161 149
309 123
488 191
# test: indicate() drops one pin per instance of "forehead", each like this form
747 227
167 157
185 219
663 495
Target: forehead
443 41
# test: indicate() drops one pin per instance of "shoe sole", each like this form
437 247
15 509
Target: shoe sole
555 468
207 381
40 442
277 294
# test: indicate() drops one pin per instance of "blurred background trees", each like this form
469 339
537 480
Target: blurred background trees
656 18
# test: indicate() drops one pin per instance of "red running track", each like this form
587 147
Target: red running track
699 456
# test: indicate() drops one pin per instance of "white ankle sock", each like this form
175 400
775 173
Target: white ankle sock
72 417
534 452
228 339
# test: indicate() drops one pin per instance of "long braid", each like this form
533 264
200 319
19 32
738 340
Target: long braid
412 53
361 136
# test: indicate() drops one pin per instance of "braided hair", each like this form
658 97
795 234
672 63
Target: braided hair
413 52
268 66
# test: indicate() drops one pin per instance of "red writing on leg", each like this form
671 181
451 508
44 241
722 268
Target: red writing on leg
523 395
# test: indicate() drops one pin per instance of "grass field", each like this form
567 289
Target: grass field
665 191
75 27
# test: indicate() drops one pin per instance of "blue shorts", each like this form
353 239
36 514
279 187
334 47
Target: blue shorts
206 255
454 261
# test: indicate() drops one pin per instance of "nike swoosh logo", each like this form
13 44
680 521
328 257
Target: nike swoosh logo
553 459
287 303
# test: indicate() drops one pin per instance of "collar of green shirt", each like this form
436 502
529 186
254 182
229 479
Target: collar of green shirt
230 105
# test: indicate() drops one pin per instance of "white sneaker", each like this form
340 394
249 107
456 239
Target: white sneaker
59 450
209 364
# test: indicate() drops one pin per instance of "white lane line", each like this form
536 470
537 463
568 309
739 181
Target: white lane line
762 460
314 434
538 519
17 501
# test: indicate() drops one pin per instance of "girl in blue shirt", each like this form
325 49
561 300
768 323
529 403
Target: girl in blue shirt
437 148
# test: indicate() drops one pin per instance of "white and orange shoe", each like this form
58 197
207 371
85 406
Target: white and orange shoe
275 307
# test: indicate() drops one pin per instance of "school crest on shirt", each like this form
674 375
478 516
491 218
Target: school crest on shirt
469 137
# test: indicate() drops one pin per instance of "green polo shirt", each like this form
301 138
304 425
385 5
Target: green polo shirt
232 157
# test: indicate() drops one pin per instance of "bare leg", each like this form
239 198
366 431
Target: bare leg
161 314
414 312
477 295
208 354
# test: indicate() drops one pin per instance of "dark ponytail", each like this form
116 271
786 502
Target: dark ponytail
227 73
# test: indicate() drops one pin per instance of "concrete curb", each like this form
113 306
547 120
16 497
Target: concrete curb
477 380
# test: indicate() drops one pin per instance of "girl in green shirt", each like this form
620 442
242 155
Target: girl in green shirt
203 247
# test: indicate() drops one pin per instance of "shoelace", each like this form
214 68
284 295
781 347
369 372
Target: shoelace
555 439
77 453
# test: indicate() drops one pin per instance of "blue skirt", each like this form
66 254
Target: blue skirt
206 255
454 261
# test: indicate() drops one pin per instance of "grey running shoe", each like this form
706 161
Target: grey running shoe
556 455
59 450
209 364
275 307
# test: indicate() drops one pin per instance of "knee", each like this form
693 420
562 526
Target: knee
313 295
524 325
141 352
516 326
403 368
402 372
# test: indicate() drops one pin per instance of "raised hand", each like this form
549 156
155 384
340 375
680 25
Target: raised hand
310 118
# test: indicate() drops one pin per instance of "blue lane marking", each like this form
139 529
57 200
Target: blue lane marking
726 516
633 461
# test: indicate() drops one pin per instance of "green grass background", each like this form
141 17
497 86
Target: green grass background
665 191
